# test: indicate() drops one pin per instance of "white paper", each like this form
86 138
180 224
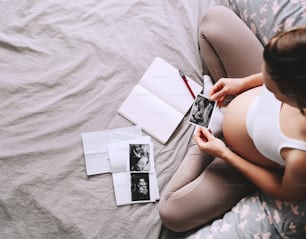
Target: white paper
157 118
95 147
164 81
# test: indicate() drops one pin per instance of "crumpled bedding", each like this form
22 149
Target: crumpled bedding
65 68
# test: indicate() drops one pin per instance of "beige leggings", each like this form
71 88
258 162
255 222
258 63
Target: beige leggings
204 188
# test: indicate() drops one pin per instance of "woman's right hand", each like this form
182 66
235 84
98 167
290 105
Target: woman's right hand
226 87
233 86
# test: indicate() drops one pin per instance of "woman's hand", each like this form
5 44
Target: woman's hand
233 86
226 87
208 143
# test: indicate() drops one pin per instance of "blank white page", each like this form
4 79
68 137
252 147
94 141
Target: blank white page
155 116
164 81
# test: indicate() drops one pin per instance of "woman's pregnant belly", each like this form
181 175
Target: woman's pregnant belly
235 132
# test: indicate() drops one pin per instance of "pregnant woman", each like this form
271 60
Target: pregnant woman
263 154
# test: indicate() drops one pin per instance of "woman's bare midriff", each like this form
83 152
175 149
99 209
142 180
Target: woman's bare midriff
235 132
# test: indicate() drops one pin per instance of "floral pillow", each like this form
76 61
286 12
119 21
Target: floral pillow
267 17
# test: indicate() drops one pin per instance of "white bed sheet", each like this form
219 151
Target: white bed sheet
65 68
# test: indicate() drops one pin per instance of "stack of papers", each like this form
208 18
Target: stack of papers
95 147
129 156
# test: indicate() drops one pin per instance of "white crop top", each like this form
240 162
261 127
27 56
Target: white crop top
263 127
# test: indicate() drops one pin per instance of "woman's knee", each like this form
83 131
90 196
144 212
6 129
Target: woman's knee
172 218
223 36
213 19
211 37
180 213
217 19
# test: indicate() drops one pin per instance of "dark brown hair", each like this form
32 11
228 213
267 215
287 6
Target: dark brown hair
285 59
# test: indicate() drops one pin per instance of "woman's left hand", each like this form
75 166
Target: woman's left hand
208 143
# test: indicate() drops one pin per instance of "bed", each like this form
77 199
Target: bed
65 68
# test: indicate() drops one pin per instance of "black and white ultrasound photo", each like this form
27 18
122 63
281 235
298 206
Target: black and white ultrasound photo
139 157
140 186
202 111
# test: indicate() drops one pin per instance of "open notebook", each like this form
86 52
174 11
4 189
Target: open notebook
159 101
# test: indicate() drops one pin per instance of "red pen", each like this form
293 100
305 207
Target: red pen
186 83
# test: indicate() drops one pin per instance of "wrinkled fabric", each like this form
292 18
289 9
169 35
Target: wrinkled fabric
65 68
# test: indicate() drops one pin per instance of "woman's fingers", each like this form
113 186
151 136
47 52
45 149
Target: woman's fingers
216 96
218 91
206 133
203 135
217 88
220 101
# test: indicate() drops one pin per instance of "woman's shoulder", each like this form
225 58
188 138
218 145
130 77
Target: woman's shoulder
293 123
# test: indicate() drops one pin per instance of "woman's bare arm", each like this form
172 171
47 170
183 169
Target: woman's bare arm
289 186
